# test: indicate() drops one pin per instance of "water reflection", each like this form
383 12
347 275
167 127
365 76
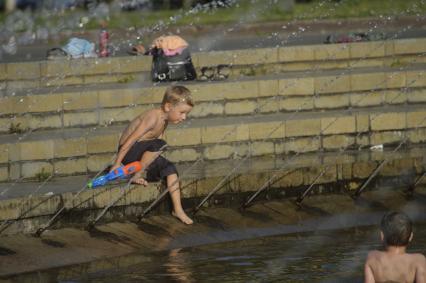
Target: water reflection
178 266
322 256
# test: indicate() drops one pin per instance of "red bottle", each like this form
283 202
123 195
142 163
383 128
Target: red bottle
103 42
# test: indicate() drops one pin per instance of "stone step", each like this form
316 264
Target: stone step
355 160
111 104
28 205
244 62
79 151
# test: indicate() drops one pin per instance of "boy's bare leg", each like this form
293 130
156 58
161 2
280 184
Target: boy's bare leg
178 212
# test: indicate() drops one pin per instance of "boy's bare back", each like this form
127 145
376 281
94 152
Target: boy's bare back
147 126
390 267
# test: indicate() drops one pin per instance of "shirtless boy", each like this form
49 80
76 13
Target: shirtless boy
394 264
142 141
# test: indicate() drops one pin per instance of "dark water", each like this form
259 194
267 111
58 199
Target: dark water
326 256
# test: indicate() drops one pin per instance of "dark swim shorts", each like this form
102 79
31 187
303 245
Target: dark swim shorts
160 168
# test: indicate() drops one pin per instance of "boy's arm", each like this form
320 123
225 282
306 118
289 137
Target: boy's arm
368 272
147 124
421 269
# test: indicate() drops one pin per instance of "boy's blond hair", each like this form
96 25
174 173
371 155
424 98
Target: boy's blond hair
177 94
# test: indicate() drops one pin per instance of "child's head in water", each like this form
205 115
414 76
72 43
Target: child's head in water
177 103
396 229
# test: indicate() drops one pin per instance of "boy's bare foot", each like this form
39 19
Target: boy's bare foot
137 179
182 217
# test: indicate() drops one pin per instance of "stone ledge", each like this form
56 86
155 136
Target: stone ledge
117 65
213 139
301 171
323 84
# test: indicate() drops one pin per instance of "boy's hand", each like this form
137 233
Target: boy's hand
115 166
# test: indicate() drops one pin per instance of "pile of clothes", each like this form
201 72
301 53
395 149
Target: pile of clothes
74 49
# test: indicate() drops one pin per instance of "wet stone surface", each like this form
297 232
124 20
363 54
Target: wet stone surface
158 235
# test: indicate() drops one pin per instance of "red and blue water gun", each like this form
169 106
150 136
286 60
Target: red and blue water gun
119 173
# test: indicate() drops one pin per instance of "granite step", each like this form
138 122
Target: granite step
103 105
83 150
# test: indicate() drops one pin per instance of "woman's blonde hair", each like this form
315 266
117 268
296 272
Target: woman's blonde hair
177 94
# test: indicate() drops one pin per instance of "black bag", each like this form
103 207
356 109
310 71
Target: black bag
172 68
